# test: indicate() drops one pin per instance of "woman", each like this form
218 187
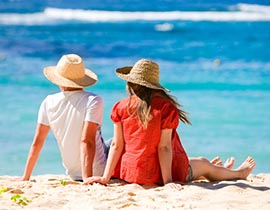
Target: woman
146 148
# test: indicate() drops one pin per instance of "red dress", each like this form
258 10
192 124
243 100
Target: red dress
139 162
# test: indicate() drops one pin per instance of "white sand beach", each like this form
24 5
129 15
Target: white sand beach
59 192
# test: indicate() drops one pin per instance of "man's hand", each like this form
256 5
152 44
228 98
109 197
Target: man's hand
19 178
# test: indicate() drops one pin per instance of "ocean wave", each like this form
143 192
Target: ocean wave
253 8
243 12
164 27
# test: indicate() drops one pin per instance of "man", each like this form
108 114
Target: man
75 117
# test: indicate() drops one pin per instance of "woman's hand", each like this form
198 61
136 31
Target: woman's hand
95 179
175 186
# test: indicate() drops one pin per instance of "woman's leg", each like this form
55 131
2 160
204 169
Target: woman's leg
217 161
202 167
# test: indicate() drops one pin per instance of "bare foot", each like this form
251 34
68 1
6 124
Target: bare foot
229 163
246 167
216 161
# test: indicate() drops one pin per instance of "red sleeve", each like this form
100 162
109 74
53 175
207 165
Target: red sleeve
115 117
169 116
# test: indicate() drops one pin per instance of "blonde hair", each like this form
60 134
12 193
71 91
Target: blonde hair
143 108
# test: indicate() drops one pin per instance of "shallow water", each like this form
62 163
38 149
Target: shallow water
218 70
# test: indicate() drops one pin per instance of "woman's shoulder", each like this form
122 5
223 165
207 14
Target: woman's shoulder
121 104
161 101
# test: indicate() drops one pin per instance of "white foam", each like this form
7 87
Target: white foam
25 19
112 16
253 8
164 27
245 12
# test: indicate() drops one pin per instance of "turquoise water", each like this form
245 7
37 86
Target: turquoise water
219 70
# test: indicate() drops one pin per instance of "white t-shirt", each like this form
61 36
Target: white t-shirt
65 113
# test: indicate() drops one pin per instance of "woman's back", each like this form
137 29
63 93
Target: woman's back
139 162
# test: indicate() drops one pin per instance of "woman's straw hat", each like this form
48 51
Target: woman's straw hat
144 72
70 72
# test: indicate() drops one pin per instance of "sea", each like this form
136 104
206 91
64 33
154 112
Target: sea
214 57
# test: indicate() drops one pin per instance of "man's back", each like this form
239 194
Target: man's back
65 113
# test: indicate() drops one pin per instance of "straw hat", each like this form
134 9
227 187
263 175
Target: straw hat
144 72
70 72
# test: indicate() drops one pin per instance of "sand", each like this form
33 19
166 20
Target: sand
60 192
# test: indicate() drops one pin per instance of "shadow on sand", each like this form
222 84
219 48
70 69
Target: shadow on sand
222 184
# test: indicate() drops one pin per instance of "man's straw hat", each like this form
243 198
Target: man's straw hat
144 72
70 72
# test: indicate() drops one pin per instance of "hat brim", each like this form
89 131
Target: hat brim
89 79
123 73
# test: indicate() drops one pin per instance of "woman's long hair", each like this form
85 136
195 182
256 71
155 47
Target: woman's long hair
143 109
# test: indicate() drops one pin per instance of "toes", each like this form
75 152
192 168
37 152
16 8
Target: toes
251 161
216 160
229 163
